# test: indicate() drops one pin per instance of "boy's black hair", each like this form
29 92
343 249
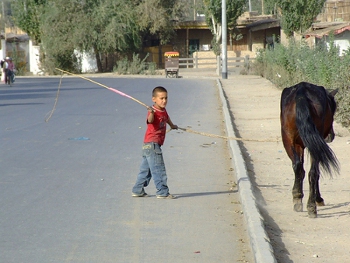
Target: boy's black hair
158 89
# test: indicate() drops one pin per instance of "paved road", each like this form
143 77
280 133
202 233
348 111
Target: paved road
65 184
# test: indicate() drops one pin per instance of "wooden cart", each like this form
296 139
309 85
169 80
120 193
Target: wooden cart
171 64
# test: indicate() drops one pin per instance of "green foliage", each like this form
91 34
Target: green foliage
26 15
107 28
156 17
234 8
298 15
122 66
343 111
104 27
288 65
135 66
269 7
213 14
66 61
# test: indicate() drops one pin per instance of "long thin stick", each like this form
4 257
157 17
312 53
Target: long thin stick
56 100
97 83
183 129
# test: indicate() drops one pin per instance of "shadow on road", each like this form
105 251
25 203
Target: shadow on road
204 194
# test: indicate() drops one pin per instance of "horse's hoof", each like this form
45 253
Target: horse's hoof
312 211
320 203
312 215
298 207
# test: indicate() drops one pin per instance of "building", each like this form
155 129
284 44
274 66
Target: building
253 32
332 24
15 44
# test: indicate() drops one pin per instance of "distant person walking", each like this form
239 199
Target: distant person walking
10 69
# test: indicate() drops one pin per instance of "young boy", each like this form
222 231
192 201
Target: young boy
152 163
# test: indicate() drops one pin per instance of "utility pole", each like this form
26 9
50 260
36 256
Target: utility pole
262 7
194 10
4 20
224 39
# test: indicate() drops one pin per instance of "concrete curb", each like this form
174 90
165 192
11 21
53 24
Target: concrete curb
259 241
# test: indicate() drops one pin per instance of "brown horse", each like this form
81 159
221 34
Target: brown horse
307 112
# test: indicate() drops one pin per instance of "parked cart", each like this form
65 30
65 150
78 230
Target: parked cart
171 64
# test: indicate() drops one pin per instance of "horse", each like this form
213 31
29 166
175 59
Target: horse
307 114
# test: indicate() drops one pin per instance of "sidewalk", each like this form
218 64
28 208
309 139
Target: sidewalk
259 241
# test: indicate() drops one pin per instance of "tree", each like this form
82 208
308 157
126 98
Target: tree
298 15
101 27
26 14
213 10
157 17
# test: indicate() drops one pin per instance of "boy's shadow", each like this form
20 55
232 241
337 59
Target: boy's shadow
184 195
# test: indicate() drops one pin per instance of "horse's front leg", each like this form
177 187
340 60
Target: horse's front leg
315 195
297 191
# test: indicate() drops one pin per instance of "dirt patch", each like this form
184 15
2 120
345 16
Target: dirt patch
254 103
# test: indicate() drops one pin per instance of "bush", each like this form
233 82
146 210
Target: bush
67 61
286 66
136 66
122 66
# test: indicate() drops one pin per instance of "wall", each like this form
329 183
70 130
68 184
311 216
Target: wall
87 61
263 38
3 49
341 40
335 11
156 54
34 58
19 52
180 41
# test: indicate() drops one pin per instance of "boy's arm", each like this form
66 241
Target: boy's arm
150 117
172 125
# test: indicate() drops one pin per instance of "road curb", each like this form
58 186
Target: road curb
259 241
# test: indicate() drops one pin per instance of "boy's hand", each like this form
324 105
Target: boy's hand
150 109
174 127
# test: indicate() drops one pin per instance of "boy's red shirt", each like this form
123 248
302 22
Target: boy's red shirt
156 130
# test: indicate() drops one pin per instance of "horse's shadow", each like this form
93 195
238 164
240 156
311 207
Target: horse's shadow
272 229
330 210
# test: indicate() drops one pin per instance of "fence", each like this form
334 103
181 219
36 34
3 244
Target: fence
232 62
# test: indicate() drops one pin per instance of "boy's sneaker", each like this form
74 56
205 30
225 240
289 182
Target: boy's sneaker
144 194
169 196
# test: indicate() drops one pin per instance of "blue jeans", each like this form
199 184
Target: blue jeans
152 166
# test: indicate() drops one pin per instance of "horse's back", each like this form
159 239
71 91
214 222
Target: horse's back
309 96
303 89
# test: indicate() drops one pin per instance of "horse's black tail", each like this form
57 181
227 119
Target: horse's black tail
311 137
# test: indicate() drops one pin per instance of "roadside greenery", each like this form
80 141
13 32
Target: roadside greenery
135 66
109 29
298 16
288 65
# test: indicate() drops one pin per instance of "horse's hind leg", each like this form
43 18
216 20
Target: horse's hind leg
297 191
299 173
314 196
319 199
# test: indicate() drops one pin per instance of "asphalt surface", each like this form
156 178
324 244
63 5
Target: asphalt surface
65 183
